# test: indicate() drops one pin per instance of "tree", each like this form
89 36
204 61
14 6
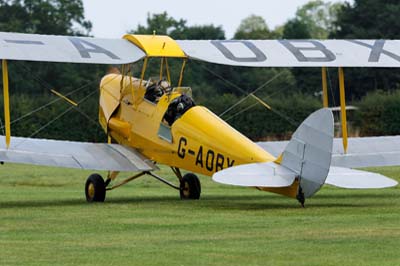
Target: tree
254 28
195 74
163 24
46 17
314 20
296 29
319 17
30 82
58 17
369 19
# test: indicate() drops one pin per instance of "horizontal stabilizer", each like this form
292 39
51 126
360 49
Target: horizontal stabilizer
350 178
274 175
256 175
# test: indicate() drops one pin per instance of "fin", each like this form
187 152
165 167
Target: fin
309 152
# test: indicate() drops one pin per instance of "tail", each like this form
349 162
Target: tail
309 152
307 157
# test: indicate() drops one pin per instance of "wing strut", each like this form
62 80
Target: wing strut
324 88
6 103
343 109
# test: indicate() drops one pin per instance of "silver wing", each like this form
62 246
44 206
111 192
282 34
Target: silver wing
362 152
69 154
67 49
296 53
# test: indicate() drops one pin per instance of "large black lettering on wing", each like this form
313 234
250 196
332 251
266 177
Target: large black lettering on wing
259 56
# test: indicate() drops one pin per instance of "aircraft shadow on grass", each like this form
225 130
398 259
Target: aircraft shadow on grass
216 202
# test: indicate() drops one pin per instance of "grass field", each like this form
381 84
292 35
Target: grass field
44 220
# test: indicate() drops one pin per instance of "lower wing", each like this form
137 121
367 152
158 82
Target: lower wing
362 152
71 154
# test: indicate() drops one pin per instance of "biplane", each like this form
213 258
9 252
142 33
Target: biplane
156 121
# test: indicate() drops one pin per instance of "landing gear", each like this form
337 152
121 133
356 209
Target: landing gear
95 188
190 187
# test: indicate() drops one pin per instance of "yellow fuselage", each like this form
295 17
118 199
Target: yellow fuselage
199 140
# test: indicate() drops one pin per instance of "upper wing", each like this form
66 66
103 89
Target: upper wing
251 53
69 154
296 53
67 49
362 152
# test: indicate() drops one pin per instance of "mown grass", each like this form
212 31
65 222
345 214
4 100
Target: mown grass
44 220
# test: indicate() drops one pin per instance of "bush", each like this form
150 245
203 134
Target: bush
379 114
260 123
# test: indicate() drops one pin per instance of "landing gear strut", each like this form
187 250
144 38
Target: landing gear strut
95 187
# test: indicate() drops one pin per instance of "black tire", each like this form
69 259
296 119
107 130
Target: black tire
190 187
95 189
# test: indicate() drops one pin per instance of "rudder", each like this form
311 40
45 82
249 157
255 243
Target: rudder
309 152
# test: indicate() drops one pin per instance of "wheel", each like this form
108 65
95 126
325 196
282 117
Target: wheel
95 188
190 187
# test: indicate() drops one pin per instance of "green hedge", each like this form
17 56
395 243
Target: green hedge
259 123
379 114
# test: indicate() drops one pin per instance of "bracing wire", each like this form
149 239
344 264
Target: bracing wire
48 86
288 119
2 127
48 104
251 93
333 95
242 111
223 79
56 118
60 115
238 88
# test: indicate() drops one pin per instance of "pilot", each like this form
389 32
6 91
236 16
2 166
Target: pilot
156 90
177 108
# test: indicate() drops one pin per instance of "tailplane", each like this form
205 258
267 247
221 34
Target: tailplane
307 159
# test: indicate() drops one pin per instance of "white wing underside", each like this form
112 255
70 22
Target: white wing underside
357 179
295 53
362 152
249 53
69 154
274 175
67 49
